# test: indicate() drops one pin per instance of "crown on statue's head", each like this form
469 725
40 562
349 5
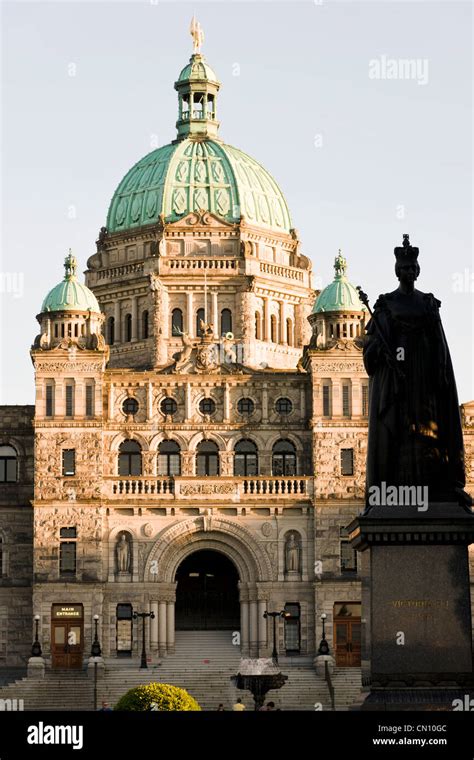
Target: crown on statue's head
406 252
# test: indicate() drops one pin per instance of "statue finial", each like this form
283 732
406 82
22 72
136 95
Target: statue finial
340 264
70 266
197 34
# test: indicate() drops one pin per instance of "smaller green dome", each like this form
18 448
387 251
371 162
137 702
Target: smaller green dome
197 70
70 295
340 294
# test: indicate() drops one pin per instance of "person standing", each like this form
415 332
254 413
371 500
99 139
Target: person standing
239 706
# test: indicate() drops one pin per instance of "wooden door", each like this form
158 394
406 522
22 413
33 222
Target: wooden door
347 644
66 644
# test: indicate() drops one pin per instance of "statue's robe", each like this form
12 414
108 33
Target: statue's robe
415 433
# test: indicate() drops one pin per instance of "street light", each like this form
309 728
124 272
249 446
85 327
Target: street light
36 647
95 653
143 615
323 646
274 615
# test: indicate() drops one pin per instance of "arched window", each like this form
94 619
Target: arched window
258 325
283 458
273 329
8 464
56 330
226 321
199 319
130 458
128 327
289 332
245 458
110 331
176 322
207 458
145 325
169 458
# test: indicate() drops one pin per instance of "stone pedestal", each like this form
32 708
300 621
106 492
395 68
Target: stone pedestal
100 667
36 667
292 575
320 664
419 604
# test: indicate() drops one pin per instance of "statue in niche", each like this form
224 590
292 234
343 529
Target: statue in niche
123 554
292 554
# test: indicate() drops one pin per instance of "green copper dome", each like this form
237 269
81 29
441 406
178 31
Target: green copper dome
340 295
197 172
70 295
197 175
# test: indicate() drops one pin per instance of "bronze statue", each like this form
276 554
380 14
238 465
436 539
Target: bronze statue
415 434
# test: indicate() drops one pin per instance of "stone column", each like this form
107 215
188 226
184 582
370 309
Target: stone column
253 628
215 315
267 328
283 336
190 313
162 628
264 403
262 629
302 404
244 628
134 313
336 397
117 323
170 627
149 401
187 402
154 628
248 326
226 403
111 400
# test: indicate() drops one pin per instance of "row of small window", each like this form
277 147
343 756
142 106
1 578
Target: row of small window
274 334
245 406
69 400
346 400
177 325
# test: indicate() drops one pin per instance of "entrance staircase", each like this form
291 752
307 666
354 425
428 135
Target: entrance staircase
203 664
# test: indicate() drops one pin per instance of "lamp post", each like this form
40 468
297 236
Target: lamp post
143 615
323 646
95 653
274 615
36 647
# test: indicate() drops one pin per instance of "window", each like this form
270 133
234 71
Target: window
1 557
292 628
110 331
124 630
168 406
69 462
283 406
284 458
169 458
49 400
130 458
273 329
8 464
69 400
258 325
346 400
207 406
245 458
199 319
67 552
347 553
289 332
365 400
226 321
145 325
130 405
245 406
128 327
89 400
347 461
176 322
207 458
326 400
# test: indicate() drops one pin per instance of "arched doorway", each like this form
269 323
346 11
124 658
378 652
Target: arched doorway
207 596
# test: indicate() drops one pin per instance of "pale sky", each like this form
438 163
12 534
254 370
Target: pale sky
87 89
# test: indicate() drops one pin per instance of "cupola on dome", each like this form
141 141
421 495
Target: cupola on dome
340 294
70 294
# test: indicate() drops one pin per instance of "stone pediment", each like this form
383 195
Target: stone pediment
201 218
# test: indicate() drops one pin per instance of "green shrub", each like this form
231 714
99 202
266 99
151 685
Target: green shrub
166 697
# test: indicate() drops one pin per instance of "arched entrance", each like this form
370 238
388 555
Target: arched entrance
207 596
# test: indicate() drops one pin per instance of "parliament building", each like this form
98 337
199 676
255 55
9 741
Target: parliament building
198 438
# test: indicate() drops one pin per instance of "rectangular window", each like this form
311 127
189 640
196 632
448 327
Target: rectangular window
69 461
292 628
124 630
347 461
3 633
67 558
68 532
346 400
69 401
49 400
326 401
365 400
347 553
89 400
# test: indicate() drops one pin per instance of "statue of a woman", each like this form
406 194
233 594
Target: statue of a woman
123 554
415 435
292 554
